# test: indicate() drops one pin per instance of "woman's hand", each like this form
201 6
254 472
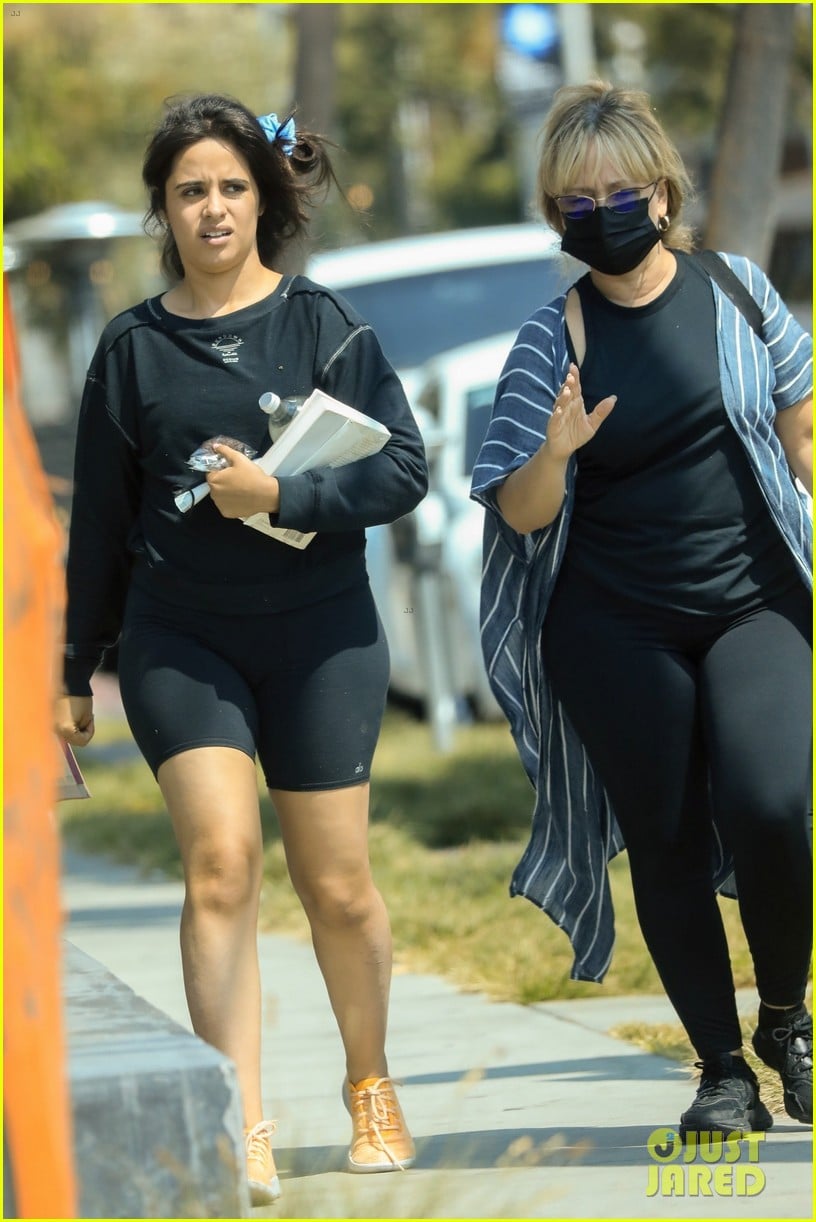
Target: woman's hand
242 488
74 719
570 425
531 497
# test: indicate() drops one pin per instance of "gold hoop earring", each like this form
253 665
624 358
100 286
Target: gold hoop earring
663 224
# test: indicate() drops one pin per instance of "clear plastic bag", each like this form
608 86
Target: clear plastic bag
205 459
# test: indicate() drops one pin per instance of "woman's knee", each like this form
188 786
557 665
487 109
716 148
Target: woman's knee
773 811
223 877
339 901
776 829
669 860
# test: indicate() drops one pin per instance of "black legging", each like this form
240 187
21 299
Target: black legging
685 717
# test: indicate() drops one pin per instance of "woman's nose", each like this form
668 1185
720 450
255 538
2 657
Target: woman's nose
215 204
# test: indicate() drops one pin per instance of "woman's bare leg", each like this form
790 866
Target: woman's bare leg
212 796
325 836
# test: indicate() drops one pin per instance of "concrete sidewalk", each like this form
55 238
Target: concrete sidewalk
518 1112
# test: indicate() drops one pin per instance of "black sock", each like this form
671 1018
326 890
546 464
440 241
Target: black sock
770 1017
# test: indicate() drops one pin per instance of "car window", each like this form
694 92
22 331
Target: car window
478 407
416 317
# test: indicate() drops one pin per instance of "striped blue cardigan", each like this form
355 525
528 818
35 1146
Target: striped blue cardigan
574 833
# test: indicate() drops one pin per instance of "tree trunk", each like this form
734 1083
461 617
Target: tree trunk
746 171
316 26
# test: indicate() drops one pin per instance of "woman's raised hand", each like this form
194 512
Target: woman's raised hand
571 426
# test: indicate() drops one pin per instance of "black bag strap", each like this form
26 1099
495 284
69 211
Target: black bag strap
732 286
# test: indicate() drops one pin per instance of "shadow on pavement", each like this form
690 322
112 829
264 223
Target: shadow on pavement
609 1068
616 1145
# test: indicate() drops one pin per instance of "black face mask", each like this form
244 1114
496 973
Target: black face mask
611 242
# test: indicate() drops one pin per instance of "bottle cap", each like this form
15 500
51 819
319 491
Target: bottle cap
269 402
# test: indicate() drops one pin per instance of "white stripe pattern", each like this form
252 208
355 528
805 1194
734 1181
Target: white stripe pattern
574 833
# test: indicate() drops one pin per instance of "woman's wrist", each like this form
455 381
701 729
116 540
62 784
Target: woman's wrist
548 457
273 496
266 496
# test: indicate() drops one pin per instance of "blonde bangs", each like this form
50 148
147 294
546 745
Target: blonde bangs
577 138
577 162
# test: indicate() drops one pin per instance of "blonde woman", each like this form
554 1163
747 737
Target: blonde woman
646 598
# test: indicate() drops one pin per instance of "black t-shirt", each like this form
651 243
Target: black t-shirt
667 510
158 386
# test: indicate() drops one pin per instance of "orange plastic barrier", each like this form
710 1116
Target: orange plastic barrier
35 1094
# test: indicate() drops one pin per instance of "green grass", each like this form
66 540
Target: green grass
446 832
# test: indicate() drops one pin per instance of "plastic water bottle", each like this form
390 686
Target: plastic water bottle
281 411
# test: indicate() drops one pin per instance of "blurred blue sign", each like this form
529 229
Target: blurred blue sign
531 30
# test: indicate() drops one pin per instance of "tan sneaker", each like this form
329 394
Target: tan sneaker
380 1139
264 1185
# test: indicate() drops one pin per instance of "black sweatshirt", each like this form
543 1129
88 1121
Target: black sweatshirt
158 386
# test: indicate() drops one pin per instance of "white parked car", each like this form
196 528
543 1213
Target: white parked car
428 293
454 399
446 308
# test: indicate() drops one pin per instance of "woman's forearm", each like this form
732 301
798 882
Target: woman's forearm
531 496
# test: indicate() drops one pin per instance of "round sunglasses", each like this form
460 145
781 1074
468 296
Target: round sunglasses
577 206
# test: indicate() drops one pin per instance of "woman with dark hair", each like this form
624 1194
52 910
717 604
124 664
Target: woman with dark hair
646 599
233 644
287 184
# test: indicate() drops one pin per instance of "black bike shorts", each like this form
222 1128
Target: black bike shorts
303 689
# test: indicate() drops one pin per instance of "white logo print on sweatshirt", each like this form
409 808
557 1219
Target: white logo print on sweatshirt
227 346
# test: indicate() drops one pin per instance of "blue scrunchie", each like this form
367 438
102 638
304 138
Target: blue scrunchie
275 130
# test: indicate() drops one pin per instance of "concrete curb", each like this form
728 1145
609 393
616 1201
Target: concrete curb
156 1112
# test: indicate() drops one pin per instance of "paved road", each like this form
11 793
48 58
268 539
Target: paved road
519 1112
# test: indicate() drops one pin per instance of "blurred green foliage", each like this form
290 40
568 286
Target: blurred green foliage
425 136
84 86
686 51
428 84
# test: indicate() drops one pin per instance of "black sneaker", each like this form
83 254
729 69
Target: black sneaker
789 1050
727 1099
